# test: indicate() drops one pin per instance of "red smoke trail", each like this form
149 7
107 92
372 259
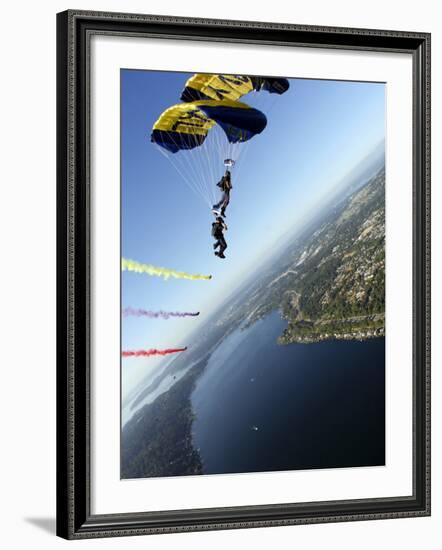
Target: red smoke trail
149 352
130 311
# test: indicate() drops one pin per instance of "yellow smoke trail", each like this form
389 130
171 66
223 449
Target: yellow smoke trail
136 267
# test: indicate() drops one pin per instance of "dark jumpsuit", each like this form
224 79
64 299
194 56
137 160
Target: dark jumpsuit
220 241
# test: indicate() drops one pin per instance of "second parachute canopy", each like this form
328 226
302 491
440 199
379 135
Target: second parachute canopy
211 126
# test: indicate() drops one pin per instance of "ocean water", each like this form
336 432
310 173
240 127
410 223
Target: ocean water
261 406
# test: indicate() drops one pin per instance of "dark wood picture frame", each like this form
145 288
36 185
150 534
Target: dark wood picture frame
74 518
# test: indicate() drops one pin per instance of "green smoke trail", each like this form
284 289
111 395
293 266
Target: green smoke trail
136 267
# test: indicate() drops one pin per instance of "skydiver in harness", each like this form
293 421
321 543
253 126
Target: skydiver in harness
218 228
225 184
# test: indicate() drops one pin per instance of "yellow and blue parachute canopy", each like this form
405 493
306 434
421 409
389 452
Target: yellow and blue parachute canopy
223 86
186 125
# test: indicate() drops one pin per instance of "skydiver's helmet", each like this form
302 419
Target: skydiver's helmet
228 163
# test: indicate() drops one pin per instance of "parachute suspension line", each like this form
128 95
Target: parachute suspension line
196 164
227 152
220 141
195 170
199 165
180 172
208 173
205 161
183 163
199 158
222 144
214 146
237 151
264 103
203 168
186 180
241 156
186 169
211 160
218 148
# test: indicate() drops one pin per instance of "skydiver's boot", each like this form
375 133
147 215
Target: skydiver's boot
220 254
223 213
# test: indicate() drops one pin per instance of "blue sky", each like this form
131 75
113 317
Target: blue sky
316 133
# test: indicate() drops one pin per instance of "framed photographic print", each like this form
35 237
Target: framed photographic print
243 274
